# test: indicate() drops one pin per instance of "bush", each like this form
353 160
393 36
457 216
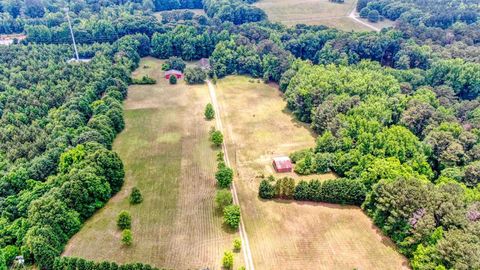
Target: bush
216 137
227 261
172 79
266 190
302 191
124 220
299 155
9 253
209 112
195 75
285 188
237 244
343 191
322 162
135 196
364 13
220 156
176 63
231 216
224 177
3 264
127 237
144 80
223 198
373 16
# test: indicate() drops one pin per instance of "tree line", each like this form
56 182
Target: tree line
73 263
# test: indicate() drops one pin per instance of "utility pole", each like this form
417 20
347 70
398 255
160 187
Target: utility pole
71 32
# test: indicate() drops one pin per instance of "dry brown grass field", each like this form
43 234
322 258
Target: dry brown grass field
314 12
287 234
166 153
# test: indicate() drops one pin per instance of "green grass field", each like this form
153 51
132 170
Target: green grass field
298 234
166 153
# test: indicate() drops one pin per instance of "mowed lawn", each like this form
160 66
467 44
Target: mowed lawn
166 153
314 12
288 233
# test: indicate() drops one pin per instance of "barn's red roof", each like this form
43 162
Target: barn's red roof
173 72
282 163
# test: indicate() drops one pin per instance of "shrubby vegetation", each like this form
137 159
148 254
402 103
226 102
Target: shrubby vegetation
209 112
62 263
223 198
227 260
195 75
216 137
144 80
135 196
124 220
342 191
237 244
231 216
127 237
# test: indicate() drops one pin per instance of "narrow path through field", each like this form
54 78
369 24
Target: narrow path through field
243 234
353 16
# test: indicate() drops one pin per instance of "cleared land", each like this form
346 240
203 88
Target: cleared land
314 12
195 11
166 153
300 235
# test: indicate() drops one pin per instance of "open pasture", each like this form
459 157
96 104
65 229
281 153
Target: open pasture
315 12
300 235
166 153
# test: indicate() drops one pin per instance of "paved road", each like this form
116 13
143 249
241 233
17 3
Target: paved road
247 254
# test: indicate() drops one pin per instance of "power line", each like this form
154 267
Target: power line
71 32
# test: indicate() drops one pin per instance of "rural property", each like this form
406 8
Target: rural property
240 135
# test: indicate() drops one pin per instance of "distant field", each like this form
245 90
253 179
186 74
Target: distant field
166 154
313 12
196 11
300 235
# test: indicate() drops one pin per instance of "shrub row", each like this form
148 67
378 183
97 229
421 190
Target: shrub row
342 190
72 263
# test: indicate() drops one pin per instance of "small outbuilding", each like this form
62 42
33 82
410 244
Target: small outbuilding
204 63
282 164
174 72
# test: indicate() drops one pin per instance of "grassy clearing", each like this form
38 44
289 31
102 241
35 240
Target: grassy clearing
166 154
195 11
313 12
300 235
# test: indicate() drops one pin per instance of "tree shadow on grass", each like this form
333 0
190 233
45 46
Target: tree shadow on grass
226 228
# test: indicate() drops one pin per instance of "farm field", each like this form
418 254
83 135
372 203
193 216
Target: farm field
314 12
166 153
300 235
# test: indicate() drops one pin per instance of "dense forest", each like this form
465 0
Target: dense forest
397 112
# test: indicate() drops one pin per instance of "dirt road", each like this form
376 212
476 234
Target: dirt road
243 234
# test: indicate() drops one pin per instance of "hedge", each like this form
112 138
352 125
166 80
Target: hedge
72 263
341 191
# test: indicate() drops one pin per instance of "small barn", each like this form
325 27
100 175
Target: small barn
174 72
282 164
204 64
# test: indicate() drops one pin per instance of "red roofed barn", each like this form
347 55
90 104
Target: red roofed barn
176 73
282 164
